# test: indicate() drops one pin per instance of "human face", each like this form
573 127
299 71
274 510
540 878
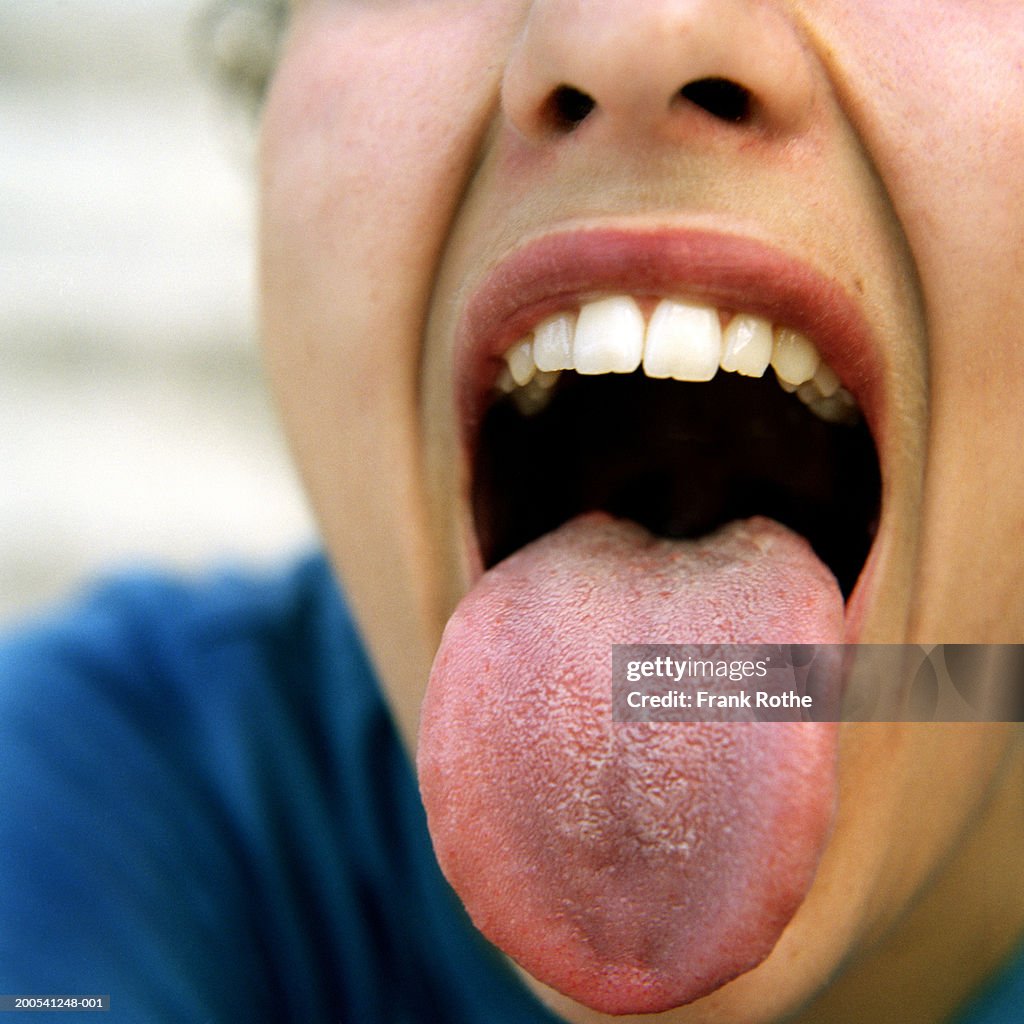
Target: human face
431 191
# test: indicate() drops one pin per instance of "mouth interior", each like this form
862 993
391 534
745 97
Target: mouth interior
681 460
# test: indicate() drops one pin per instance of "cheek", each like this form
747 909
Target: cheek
972 265
369 133
942 124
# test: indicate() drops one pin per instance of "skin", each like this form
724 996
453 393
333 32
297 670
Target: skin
406 149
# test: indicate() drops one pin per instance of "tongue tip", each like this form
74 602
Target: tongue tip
620 990
628 987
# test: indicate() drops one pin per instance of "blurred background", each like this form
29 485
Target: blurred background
133 421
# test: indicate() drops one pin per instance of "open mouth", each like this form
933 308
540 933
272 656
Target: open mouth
680 417
669 438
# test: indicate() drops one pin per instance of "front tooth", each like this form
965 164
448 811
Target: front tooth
520 362
794 356
683 342
552 343
609 336
747 345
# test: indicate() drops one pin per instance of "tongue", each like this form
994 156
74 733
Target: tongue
632 867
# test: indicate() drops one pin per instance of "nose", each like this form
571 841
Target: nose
657 66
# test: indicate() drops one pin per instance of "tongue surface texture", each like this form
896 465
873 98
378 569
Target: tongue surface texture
632 867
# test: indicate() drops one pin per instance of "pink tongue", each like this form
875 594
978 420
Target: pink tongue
633 867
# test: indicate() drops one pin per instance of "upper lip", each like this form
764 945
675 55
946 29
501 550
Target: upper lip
559 270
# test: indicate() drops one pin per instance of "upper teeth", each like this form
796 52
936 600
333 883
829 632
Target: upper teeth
682 340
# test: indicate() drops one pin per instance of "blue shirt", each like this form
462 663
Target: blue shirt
206 814
1001 1001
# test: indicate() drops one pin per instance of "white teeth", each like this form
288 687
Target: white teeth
683 342
826 380
520 362
794 356
547 379
807 392
609 336
552 343
748 345
533 398
505 383
839 407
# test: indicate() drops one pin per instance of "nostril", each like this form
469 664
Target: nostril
719 97
568 107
